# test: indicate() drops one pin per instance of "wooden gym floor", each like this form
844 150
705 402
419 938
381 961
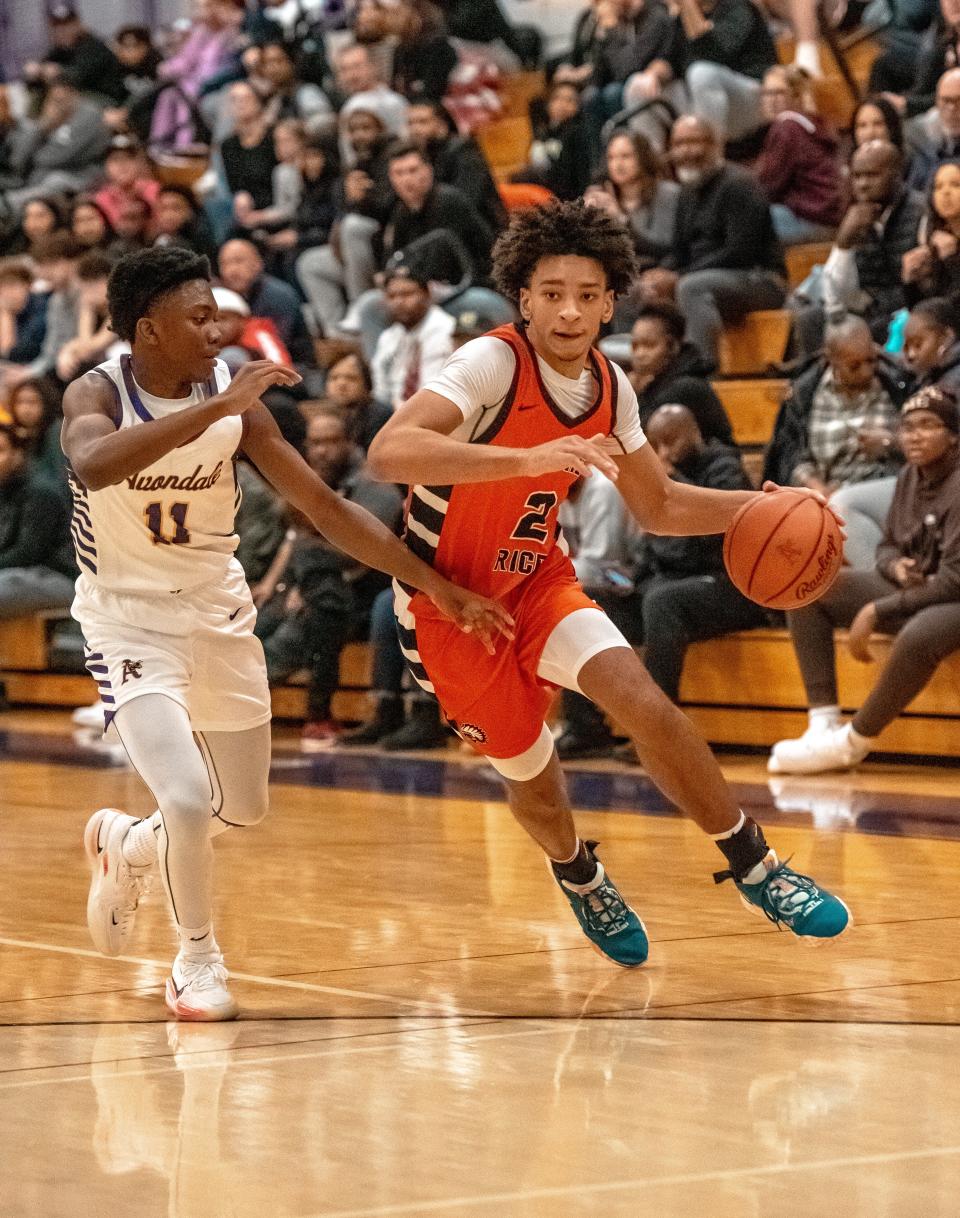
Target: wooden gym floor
425 1032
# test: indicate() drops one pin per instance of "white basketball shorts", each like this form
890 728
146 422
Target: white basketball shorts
196 647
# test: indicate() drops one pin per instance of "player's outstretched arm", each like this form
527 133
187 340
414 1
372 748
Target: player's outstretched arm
101 455
358 533
674 509
677 509
415 446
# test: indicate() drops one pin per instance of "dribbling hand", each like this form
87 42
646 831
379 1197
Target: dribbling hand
251 382
573 455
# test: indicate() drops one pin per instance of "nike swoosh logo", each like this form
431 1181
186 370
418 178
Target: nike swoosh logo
113 919
529 406
234 614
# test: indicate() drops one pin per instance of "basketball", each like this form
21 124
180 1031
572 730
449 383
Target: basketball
783 549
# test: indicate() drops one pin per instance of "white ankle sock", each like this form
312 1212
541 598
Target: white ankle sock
820 718
722 837
563 862
766 865
139 847
198 941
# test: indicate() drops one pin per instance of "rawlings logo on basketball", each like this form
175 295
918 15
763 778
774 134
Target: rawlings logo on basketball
470 731
825 563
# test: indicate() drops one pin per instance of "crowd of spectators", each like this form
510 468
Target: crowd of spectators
349 215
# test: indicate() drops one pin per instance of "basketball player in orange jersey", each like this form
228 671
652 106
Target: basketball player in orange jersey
490 448
166 613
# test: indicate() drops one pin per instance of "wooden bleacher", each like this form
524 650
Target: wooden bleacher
745 689
750 347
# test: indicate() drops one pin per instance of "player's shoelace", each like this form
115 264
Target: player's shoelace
203 974
605 910
785 895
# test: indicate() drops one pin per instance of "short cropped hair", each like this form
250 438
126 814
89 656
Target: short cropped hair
15 270
668 315
141 279
555 230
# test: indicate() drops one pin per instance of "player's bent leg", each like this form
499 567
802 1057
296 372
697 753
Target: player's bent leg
681 764
157 734
238 765
537 794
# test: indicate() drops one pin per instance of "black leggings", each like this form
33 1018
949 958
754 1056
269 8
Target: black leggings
921 642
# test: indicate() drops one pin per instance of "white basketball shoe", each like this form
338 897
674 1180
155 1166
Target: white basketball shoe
197 989
116 888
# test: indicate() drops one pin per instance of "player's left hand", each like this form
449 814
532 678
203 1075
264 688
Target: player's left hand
770 487
858 636
474 614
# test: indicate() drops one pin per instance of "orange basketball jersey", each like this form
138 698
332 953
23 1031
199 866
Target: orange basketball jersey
490 536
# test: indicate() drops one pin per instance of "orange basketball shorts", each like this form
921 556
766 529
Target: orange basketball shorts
497 703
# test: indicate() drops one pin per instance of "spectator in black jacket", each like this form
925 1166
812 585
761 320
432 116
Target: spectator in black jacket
457 161
560 152
726 260
863 274
452 241
931 349
835 433
23 315
680 590
335 274
317 209
666 369
37 570
91 65
423 56
242 270
721 49
330 594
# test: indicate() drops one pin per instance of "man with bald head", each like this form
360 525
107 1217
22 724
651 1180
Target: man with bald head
681 592
726 260
934 137
835 433
242 271
863 273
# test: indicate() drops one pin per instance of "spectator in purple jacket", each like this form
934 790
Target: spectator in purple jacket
797 168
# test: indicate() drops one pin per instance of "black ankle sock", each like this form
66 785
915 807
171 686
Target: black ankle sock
581 869
743 851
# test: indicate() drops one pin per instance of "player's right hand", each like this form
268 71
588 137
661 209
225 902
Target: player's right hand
573 454
251 382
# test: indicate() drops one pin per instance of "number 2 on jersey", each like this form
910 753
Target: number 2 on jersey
532 524
153 515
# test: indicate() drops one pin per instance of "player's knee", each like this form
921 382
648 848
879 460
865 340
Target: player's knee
244 809
186 807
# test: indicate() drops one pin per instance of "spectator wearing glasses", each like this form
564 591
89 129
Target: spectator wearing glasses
913 592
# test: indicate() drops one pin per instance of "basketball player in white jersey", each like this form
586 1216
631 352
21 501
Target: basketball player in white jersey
166 613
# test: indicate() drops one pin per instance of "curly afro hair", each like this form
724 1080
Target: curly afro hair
138 281
554 230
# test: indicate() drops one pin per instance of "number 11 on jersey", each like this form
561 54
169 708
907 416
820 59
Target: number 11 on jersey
153 515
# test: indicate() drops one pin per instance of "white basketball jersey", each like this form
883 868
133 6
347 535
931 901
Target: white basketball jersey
169 527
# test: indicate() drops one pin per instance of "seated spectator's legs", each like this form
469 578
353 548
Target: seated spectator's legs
328 283
598 106
725 99
388 662
793 229
812 629
864 507
683 611
357 235
329 627
321 275
370 317
283 637
925 640
707 299
26 590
